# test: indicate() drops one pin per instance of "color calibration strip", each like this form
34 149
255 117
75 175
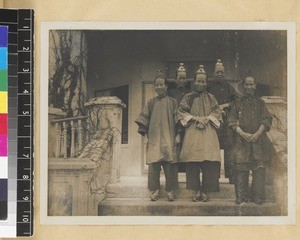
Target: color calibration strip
3 121
19 220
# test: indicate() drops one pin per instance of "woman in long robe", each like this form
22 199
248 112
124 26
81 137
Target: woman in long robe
226 96
158 121
200 114
252 149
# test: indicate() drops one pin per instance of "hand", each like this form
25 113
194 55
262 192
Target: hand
222 106
203 120
177 139
195 118
223 113
254 137
244 135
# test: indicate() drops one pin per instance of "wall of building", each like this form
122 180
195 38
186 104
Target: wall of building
125 59
265 54
117 58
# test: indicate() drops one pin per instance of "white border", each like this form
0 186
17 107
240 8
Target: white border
138 220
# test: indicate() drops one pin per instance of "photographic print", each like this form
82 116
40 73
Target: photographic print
147 123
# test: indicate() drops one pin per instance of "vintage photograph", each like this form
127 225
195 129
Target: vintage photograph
174 122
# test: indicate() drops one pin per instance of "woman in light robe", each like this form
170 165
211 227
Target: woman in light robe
199 112
158 121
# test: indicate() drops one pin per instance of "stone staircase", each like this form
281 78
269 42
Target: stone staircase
130 197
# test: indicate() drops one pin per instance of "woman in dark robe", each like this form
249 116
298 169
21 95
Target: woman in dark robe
226 96
178 94
250 120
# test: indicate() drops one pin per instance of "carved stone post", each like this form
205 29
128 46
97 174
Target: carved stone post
80 130
106 113
65 139
72 153
54 132
58 142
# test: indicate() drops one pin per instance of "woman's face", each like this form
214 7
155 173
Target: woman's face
160 86
249 85
180 81
200 83
219 74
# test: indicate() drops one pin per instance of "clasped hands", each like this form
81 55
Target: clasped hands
201 121
248 136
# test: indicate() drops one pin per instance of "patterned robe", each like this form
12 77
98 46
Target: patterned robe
249 113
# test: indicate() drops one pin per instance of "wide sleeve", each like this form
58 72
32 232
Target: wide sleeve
143 119
179 128
266 117
233 116
183 113
215 115
234 95
174 110
215 109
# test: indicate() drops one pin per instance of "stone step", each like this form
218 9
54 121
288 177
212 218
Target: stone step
130 191
184 207
128 188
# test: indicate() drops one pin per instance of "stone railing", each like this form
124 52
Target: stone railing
69 136
69 187
84 157
278 176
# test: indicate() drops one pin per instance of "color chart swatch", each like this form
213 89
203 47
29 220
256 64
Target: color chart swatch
3 121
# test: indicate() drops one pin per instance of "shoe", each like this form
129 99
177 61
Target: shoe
197 197
154 195
171 196
204 197
257 200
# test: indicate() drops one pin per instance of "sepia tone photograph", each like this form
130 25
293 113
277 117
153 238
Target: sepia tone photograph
171 122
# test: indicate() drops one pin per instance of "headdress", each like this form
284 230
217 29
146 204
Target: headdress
159 74
201 70
219 65
181 72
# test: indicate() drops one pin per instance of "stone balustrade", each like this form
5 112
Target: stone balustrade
69 136
86 157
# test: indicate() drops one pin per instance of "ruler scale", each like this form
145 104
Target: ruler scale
25 124
20 104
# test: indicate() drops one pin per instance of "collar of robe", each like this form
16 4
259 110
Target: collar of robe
163 95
